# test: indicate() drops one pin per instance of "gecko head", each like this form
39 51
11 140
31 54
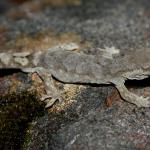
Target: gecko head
65 47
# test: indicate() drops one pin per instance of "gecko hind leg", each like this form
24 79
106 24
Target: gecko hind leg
51 91
129 96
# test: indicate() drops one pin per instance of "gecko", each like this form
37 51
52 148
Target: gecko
64 63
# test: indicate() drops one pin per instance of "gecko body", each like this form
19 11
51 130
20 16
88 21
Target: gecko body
109 66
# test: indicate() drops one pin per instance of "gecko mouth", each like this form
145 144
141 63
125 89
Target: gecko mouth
6 72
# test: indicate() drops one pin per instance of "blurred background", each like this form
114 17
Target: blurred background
5 5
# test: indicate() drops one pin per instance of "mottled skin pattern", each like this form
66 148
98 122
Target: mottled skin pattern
109 66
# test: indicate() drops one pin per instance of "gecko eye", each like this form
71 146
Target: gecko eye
122 55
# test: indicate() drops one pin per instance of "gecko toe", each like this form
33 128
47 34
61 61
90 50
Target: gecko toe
50 100
50 103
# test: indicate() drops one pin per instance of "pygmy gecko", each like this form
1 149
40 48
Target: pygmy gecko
109 66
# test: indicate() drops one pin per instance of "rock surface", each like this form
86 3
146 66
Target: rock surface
82 120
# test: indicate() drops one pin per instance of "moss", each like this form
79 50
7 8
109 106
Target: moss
16 111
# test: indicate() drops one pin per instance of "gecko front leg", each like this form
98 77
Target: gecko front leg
129 96
51 91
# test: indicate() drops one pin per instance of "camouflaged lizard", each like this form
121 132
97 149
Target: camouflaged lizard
109 66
